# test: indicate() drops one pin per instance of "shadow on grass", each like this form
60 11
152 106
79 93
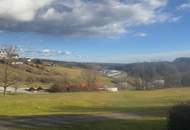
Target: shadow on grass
89 122
46 121
76 122
154 111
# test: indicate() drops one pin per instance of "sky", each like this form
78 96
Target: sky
111 31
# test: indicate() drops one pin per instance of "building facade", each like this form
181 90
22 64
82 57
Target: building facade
3 54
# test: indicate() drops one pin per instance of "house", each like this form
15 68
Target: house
113 89
3 54
29 60
109 88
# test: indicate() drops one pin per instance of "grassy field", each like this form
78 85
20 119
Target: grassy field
126 110
35 75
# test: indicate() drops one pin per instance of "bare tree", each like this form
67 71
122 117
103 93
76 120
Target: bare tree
11 55
90 76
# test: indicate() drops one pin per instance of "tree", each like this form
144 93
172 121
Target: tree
37 61
11 55
90 77
17 80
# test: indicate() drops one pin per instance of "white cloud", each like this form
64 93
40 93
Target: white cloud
141 34
67 53
21 10
175 19
80 17
46 51
184 6
55 53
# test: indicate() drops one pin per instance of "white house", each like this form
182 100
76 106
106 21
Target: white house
113 89
3 54
29 60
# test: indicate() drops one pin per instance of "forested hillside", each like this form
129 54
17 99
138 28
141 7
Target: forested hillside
176 73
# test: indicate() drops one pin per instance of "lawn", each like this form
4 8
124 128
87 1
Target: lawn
125 110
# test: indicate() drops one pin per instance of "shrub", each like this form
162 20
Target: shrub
57 88
179 117
39 89
37 61
31 89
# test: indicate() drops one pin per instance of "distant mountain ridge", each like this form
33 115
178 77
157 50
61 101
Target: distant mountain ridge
182 59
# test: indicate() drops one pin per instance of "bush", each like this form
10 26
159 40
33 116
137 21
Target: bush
179 117
37 61
39 89
31 89
57 88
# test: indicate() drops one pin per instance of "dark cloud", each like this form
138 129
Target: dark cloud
79 17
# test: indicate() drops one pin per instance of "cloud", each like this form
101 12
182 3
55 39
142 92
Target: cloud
67 53
175 19
141 34
21 10
55 53
184 6
162 56
80 17
46 51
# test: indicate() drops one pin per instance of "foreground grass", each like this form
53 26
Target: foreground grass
151 105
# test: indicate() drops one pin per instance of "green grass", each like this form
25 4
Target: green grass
32 75
142 102
151 105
